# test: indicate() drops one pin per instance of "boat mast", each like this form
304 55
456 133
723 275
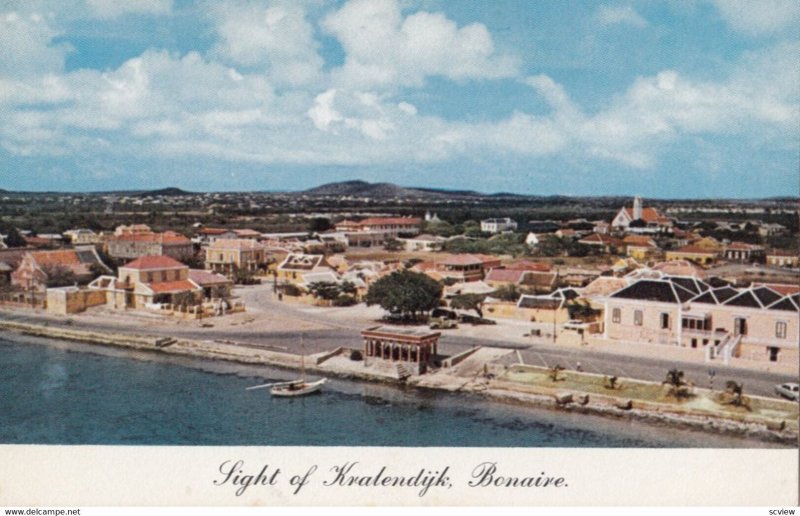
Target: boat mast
302 358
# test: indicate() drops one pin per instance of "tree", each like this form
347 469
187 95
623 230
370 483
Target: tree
735 391
318 224
59 276
469 302
405 293
677 385
327 290
393 244
14 239
507 293
554 372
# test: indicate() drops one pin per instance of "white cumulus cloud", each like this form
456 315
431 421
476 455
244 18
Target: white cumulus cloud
385 49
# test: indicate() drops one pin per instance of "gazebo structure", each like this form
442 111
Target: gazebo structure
412 346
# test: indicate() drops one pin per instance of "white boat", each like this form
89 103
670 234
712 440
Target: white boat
297 388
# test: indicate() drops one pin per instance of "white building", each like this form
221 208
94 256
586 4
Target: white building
498 225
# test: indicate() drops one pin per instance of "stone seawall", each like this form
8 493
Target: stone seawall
498 390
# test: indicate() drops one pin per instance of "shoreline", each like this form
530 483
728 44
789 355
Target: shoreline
653 414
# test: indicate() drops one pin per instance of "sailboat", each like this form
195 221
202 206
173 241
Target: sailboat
298 387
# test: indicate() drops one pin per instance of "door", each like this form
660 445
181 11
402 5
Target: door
740 326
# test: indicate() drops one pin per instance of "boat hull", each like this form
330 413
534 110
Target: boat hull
297 389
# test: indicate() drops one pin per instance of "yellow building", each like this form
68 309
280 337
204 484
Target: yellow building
694 254
226 256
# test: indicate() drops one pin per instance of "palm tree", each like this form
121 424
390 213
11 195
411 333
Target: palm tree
736 390
677 385
554 372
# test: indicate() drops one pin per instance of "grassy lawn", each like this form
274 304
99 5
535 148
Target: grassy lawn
703 400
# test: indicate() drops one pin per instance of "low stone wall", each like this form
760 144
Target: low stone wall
63 301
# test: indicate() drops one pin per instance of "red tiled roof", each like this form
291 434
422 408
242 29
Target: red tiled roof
469 259
638 240
505 275
783 252
168 237
742 246
597 238
202 277
246 232
525 265
65 258
213 231
153 262
236 243
693 249
398 221
781 288
163 287
648 215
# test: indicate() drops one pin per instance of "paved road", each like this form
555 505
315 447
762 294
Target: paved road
342 333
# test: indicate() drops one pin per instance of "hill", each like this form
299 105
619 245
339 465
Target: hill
362 189
165 192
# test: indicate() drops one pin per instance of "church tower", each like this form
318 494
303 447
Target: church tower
637 208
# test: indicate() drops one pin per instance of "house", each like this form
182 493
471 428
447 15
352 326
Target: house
131 244
532 240
533 275
424 243
692 253
228 256
605 243
680 268
377 230
9 261
498 225
744 252
150 280
37 269
466 267
543 308
783 258
767 230
648 220
757 323
602 227
215 286
82 237
640 247
133 229
296 266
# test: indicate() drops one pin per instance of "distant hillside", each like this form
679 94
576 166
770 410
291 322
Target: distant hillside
384 190
362 189
165 192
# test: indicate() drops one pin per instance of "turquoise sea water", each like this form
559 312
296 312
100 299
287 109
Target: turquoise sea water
55 392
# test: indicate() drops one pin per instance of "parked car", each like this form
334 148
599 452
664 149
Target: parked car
440 323
788 390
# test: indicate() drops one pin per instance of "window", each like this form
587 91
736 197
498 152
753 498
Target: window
780 329
637 317
664 321
616 315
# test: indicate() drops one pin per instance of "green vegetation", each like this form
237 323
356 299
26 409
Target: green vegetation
406 294
507 243
469 302
703 401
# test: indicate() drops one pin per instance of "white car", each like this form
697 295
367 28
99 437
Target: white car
788 390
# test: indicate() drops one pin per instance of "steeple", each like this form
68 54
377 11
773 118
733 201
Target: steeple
637 208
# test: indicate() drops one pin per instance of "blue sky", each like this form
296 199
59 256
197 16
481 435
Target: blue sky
692 98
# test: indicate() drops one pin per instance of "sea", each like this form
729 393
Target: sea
59 392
